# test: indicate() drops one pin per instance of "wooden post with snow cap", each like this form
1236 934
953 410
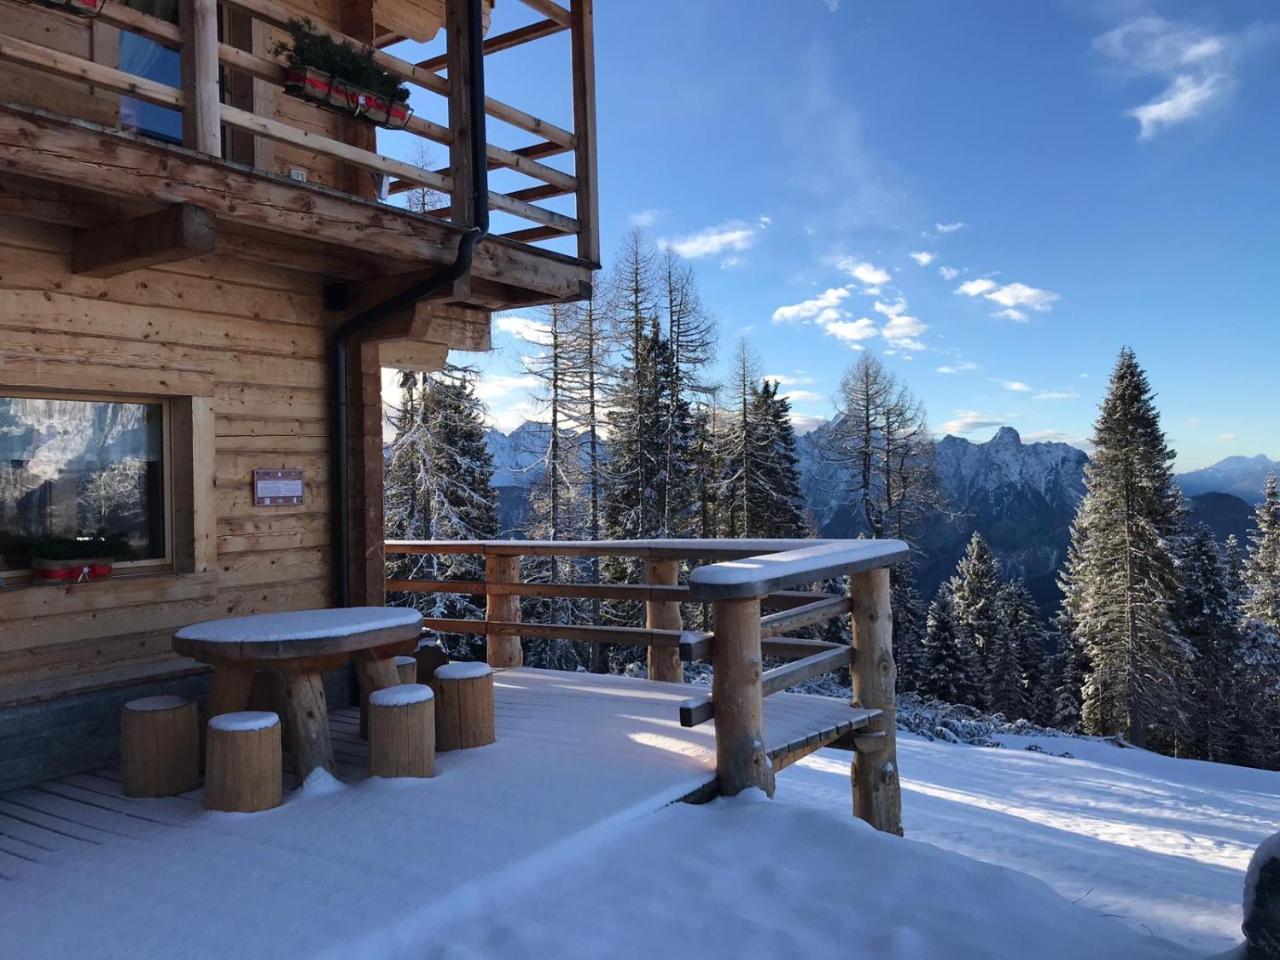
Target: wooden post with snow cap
877 795
502 649
664 662
741 761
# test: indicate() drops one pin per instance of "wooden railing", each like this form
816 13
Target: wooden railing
209 66
740 580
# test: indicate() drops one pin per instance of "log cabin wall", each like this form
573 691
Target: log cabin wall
249 341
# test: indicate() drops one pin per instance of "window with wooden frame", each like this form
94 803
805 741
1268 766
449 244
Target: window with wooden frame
85 478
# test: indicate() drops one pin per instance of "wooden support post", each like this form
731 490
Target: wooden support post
502 650
462 125
367 570
402 731
308 717
584 128
166 236
201 110
159 747
741 761
664 662
355 19
244 769
877 795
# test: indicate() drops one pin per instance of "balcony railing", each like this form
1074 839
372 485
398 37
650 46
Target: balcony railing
210 68
740 579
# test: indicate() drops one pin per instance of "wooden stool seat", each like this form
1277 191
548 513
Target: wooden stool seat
464 706
407 667
402 731
244 769
159 746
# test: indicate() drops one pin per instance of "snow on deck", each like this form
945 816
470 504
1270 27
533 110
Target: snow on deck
87 872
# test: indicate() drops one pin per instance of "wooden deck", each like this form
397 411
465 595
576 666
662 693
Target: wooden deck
575 753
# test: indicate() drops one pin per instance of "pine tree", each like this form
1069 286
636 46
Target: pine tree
1262 571
1122 582
975 589
909 628
1017 653
946 676
438 487
777 510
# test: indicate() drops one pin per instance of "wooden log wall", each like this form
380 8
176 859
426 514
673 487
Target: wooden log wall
251 339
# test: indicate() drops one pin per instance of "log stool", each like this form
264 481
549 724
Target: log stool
243 773
464 706
402 731
159 747
407 667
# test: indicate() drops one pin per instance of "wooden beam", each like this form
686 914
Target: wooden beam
462 124
551 10
780 678
59 64
795 647
170 235
820 611
741 762
533 234
584 124
412 355
877 792
201 121
503 41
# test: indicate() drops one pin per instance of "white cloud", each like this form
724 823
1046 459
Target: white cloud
1017 386
1229 437
969 421
953 368
948 273
764 220
895 309
948 227
1057 395
1058 436
811 308
524 328
799 378
1012 296
645 218
1198 67
868 274
806 423
1009 313
923 257
904 331
494 386
851 331
802 396
728 263
734 236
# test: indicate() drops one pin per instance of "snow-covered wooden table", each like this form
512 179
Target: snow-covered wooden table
301 646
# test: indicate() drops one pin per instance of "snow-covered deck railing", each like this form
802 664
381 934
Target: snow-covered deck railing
739 579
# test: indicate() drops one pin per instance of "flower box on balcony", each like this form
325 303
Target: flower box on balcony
81 8
346 98
71 571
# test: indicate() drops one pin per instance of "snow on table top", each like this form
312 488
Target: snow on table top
244 720
401 695
166 701
756 576
463 670
300 625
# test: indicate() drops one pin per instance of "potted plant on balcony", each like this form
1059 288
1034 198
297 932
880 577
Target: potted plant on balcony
76 559
339 77
81 8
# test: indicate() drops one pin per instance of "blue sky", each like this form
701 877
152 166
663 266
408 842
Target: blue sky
995 197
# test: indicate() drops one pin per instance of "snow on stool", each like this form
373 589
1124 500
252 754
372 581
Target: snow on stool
464 705
159 746
407 667
402 731
243 773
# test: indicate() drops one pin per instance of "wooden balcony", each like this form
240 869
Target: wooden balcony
737 579
279 179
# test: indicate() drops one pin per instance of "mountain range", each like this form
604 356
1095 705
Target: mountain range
1020 496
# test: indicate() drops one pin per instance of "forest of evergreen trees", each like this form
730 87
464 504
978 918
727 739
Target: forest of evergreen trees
1165 637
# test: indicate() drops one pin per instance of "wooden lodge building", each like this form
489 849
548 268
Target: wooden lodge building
204 266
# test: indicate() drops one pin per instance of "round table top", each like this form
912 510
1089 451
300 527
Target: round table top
299 633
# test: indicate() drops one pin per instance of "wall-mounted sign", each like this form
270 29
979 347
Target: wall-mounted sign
277 488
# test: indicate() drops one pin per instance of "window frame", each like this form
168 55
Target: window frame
164 564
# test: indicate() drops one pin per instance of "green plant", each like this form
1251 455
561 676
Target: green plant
100 546
308 47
